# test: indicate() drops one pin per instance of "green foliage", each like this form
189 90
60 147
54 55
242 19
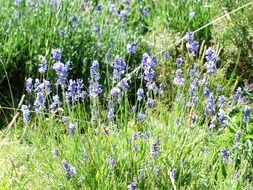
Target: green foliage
236 34
201 154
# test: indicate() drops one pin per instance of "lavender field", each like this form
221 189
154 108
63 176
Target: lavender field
128 94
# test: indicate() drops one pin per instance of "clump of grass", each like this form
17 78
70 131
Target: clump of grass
187 145
133 120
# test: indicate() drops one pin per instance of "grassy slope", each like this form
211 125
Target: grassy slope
26 152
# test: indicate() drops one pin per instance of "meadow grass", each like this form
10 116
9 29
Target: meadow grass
109 106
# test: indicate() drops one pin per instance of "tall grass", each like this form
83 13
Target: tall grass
190 129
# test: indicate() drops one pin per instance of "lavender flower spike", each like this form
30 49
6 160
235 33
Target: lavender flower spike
70 170
132 186
72 129
211 64
131 48
43 65
61 71
56 54
26 113
95 89
29 85
225 155
246 115
179 80
154 149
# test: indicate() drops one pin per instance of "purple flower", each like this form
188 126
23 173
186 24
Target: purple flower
37 83
192 46
237 138
39 87
151 86
17 3
95 90
115 92
173 174
145 10
162 87
237 94
44 87
53 3
119 68
211 64
145 135
179 80
154 149
194 118
150 102
56 99
194 69
179 62
141 117
135 136
73 21
189 36
210 104
221 101
149 74
26 113
111 162
70 170
43 65
243 100
124 84
246 115
131 48
55 152
140 94
62 32
225 155
99 8
135 148
75 91
29 85
61 71
134 109
79 92
193 87
165 55
94 72
132 186
72 129
96 29
112 8
39 102
56 54
110 115
56 102
148 61
192 14
206 92
123 15
71 89
221 118
47 87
